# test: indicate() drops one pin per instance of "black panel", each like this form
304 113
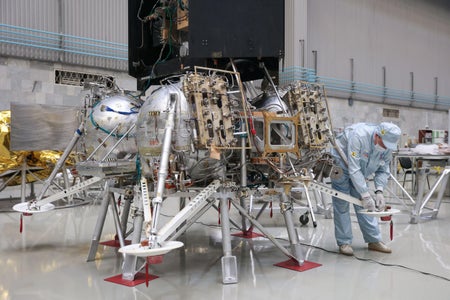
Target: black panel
249 31
141 51
236 28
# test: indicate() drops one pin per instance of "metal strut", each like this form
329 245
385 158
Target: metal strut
69 191
76 136
325 189
266 233
191 209
420 205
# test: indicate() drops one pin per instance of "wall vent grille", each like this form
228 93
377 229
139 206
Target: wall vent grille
391 113
80 78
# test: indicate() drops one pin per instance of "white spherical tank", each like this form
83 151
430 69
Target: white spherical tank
151 122
113 116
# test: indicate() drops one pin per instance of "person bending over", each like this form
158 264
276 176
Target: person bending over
368 151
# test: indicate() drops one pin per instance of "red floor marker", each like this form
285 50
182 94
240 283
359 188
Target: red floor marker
248 234
114 243
138 279
293 265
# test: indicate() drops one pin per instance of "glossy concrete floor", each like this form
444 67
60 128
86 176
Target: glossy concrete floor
48 261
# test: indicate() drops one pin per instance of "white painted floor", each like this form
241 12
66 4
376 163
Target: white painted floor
48 261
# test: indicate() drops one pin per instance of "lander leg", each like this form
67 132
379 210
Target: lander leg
288 211
129 264
243 190
100 222
163 170
61 161
265 232
229 264
128 199
108 198
120 236
170 231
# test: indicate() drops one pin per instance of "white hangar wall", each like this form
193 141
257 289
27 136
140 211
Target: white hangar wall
401 35
33 82
397 44
82 32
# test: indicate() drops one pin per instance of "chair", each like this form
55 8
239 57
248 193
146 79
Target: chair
407 167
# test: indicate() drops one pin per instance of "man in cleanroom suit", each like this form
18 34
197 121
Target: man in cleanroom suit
365 150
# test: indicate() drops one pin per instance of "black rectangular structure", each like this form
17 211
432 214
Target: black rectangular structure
166 37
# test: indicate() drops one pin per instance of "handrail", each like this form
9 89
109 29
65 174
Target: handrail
360 89
65 43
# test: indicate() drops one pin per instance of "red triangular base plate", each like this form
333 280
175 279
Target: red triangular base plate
114 243
248 234
293 265
138 279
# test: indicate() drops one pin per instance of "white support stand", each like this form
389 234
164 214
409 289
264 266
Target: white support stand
420 210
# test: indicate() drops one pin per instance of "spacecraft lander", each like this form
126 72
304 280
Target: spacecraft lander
201 134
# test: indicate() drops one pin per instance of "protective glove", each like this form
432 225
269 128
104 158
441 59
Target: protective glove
368 203
380 203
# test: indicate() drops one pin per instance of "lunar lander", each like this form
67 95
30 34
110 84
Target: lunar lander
201 136
199 131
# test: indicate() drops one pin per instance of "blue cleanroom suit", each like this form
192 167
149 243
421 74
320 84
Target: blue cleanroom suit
364 160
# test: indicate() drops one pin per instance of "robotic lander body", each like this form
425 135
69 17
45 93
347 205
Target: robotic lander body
202 132
199 137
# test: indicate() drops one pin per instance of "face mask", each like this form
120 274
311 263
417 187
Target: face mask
379 148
